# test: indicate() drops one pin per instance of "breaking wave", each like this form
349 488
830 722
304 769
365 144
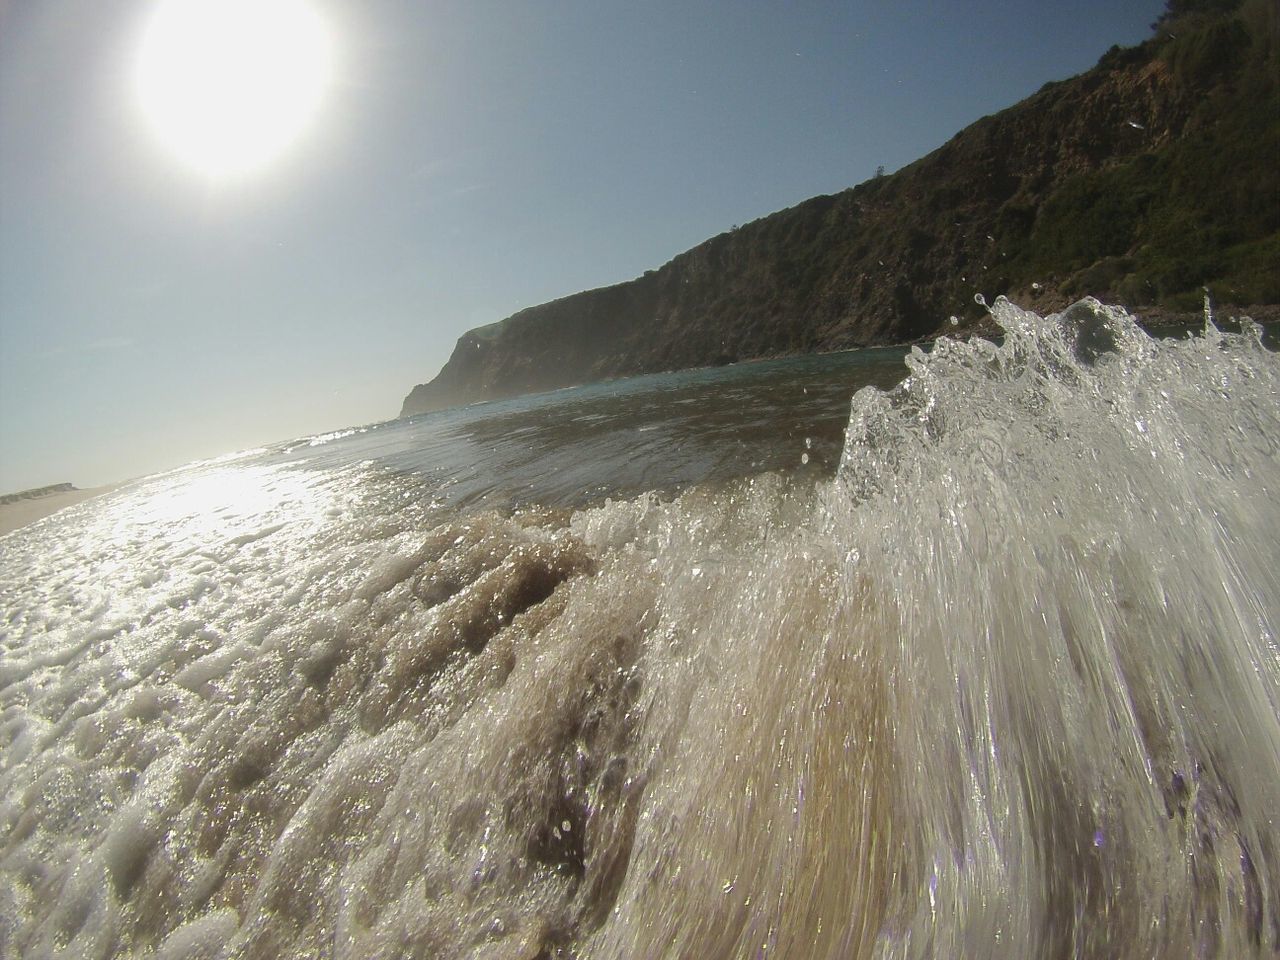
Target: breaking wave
1007 685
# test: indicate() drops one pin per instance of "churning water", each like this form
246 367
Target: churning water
612 674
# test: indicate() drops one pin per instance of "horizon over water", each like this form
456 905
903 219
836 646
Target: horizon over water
720 663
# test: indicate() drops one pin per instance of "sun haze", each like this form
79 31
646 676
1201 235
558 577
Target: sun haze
227 85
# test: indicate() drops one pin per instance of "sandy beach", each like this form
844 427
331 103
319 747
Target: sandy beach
22 512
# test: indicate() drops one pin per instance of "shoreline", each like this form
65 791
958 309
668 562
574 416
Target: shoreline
1154 320
21 513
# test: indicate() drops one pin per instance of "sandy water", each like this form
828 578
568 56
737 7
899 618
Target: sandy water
986 667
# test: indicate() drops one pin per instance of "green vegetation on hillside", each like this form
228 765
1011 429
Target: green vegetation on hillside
1142 182
1204 208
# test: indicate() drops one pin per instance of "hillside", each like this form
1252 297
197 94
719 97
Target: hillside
1142 181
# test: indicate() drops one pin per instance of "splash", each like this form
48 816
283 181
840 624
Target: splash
1007 685
1071 540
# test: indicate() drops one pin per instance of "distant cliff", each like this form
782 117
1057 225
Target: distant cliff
1142 181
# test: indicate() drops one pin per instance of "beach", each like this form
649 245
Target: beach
20 513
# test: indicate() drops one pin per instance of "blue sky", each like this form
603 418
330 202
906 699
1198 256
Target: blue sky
471 158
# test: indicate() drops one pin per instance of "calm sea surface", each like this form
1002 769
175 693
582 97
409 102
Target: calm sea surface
660 432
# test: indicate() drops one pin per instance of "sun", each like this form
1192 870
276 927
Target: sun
228 85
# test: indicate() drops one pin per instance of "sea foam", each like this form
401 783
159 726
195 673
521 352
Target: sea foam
1007 685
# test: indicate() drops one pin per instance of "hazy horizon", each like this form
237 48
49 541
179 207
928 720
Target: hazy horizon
464 162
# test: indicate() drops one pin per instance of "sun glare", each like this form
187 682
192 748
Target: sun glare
227 85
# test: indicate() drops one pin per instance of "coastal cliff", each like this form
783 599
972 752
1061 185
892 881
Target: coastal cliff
1143 181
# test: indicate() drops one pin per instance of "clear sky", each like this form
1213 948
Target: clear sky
468 159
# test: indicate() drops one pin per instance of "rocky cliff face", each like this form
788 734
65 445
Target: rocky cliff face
1143 180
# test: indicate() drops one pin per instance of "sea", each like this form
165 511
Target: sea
959 651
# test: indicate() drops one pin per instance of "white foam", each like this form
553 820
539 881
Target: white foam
1009 685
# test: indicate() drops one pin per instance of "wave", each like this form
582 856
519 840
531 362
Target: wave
1007 685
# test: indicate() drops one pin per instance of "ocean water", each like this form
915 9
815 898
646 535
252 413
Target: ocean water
706 665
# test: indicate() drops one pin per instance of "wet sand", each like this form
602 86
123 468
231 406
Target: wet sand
22 512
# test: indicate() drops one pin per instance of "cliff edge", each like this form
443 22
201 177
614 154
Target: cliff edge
1143 181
